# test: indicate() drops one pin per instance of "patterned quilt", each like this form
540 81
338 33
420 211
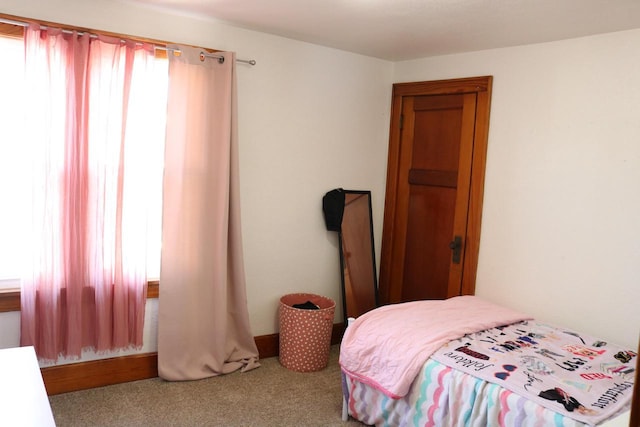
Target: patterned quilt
572 374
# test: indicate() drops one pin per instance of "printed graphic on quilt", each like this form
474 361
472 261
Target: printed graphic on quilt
573 374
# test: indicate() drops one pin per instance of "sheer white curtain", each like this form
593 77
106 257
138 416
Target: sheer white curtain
203 325
85 282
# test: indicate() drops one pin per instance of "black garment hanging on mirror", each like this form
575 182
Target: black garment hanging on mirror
333 208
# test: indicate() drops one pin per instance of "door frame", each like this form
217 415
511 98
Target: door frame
481 86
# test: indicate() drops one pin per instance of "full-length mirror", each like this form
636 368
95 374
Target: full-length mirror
357 255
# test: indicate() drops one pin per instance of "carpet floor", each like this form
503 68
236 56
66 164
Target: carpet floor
268 396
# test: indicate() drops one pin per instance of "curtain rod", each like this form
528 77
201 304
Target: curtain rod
203 54
220 58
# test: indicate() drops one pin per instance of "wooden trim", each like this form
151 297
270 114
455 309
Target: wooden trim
389 233
153 289
98 373
476 197
13 30
438 87
268 345
10 298
337 332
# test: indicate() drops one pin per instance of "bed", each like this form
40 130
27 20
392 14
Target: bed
467 362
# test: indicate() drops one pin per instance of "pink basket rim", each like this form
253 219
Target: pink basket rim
300 298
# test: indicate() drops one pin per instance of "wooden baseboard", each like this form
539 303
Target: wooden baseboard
116 370
98 373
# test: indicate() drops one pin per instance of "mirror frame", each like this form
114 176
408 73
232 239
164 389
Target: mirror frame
343 260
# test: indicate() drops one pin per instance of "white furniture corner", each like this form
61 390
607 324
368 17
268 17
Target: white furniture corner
23 397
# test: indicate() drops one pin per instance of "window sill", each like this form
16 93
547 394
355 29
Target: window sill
10 298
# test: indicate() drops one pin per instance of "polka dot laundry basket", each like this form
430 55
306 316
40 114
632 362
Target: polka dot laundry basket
305 334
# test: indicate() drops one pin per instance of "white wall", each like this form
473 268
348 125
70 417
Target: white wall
310 119
560 235
561 220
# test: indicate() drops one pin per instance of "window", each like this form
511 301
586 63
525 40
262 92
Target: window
13 158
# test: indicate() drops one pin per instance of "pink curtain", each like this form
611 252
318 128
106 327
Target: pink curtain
203 322
85 280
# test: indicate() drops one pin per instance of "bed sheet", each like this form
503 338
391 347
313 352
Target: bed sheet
443 396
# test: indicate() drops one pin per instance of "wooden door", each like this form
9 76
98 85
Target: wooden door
435 178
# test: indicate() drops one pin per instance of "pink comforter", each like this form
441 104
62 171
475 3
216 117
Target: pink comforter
386 347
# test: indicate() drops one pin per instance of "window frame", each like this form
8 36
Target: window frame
10 298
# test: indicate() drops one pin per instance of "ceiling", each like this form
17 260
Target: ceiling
408 29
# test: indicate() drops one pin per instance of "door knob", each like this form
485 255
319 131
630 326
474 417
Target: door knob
456 246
